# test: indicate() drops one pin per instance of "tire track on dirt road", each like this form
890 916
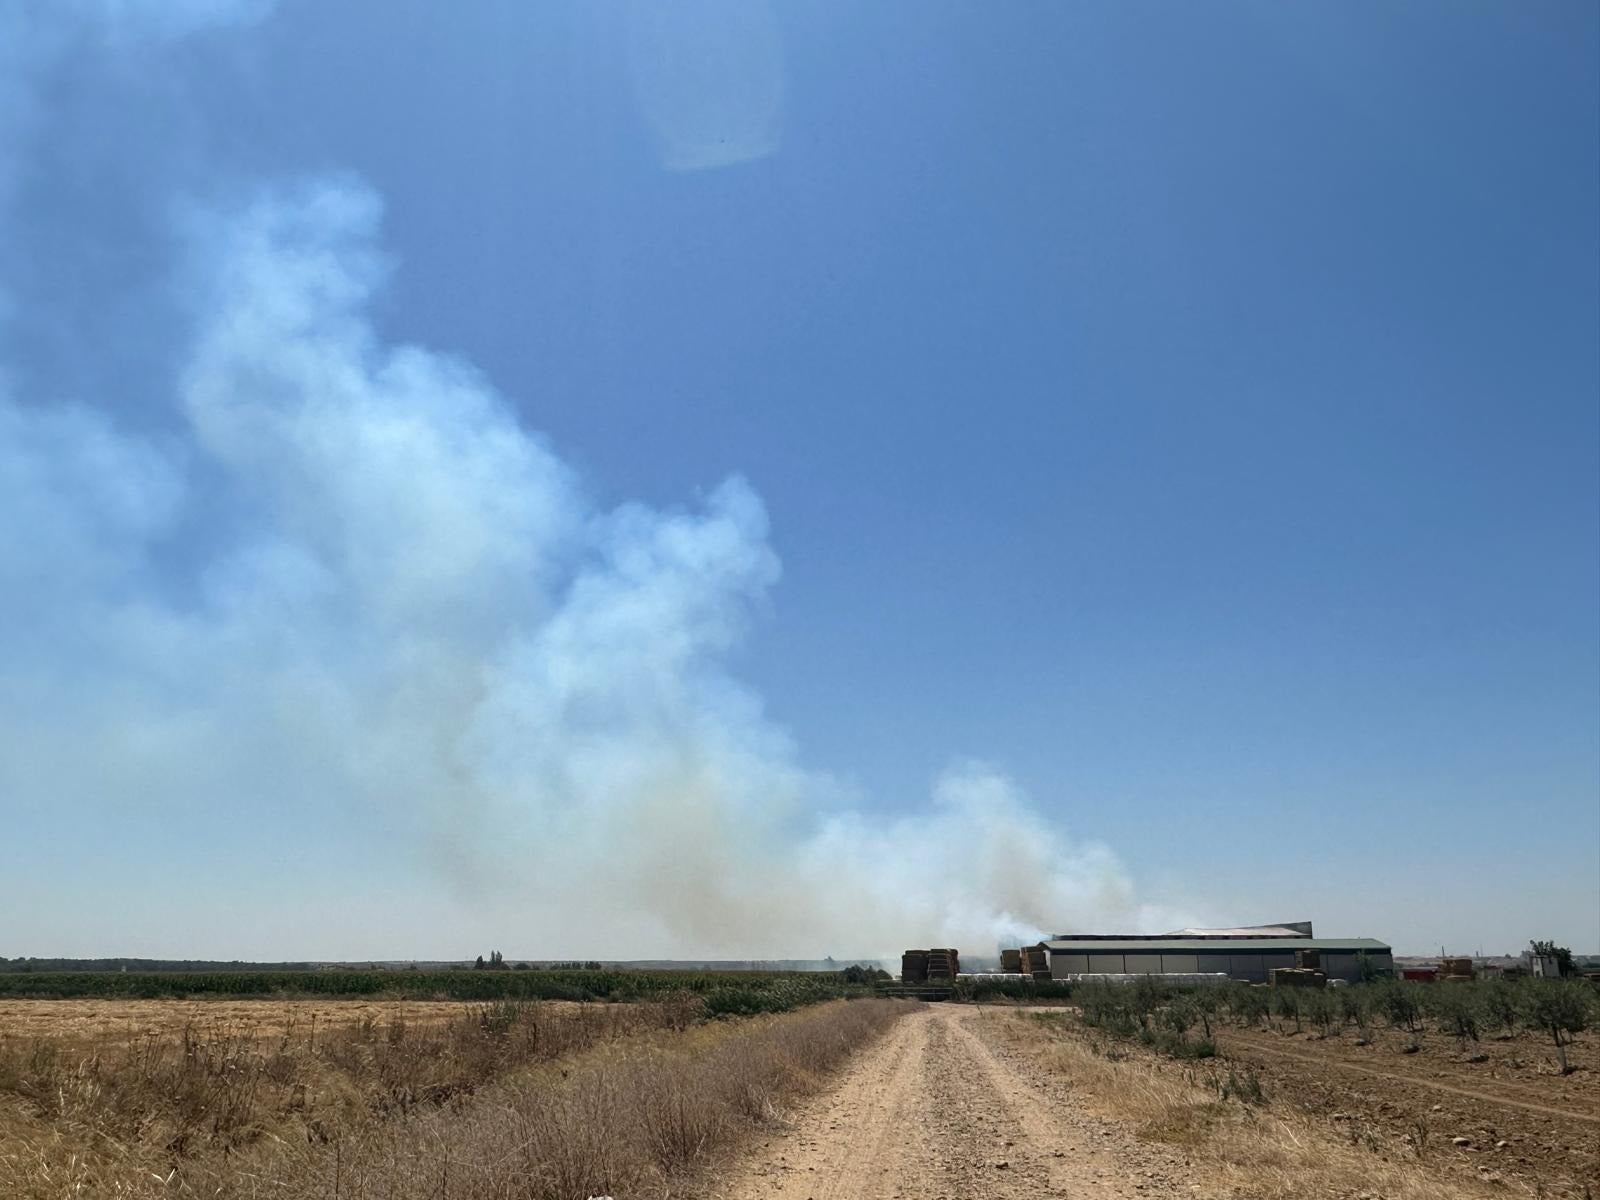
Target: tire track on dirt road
853 1139
934 1113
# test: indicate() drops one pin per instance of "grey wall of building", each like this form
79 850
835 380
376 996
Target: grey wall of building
1254 968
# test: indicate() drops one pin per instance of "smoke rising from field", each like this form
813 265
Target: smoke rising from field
409 604
338 589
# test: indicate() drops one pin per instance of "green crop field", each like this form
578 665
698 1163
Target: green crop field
723 991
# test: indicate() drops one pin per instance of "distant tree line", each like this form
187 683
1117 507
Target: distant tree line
723 992
142 965
497 962
855 973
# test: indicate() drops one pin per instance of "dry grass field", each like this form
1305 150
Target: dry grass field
554 1100
105 1023
535 1100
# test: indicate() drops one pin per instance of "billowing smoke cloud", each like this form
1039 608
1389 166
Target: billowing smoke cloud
338 587
408 605
36 34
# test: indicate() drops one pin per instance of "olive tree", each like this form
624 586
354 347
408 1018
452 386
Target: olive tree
1559 1009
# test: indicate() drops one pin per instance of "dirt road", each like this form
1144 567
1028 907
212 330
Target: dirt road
936 1112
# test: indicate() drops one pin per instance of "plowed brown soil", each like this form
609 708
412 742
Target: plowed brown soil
1519 1119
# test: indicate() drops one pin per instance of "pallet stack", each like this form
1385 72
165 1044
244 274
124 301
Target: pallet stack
1297 977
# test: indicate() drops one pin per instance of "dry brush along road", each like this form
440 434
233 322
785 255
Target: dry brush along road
937 1111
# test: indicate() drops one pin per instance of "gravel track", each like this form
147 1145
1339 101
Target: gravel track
936 1111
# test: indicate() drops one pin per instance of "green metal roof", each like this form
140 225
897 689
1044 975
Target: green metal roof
1215 945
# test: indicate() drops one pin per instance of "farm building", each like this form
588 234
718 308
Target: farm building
1249 952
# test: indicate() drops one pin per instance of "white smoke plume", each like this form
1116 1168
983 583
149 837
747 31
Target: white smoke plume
335 593
35 35
349 580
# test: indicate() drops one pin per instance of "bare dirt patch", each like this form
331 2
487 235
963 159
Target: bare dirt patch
1522 1119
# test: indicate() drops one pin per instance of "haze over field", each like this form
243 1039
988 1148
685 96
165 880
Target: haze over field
320 638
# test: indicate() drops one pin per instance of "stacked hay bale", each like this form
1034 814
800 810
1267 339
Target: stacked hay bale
1036 961
1297 977
944 964
914 966
1011 962
1455 970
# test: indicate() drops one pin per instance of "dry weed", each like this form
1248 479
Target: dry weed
508 1101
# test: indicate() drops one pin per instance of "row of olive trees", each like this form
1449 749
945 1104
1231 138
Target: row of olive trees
1163 1016
1557 1009
1155 1014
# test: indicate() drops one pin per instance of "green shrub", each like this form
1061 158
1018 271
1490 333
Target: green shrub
1248 1005
1457 1008
1500 1000
1024 989
1322 1008
779 990
1398 1002
1199 1048
1179 1016
1286 1003
1559 1008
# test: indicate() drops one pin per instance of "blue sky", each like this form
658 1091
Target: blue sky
1177 426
